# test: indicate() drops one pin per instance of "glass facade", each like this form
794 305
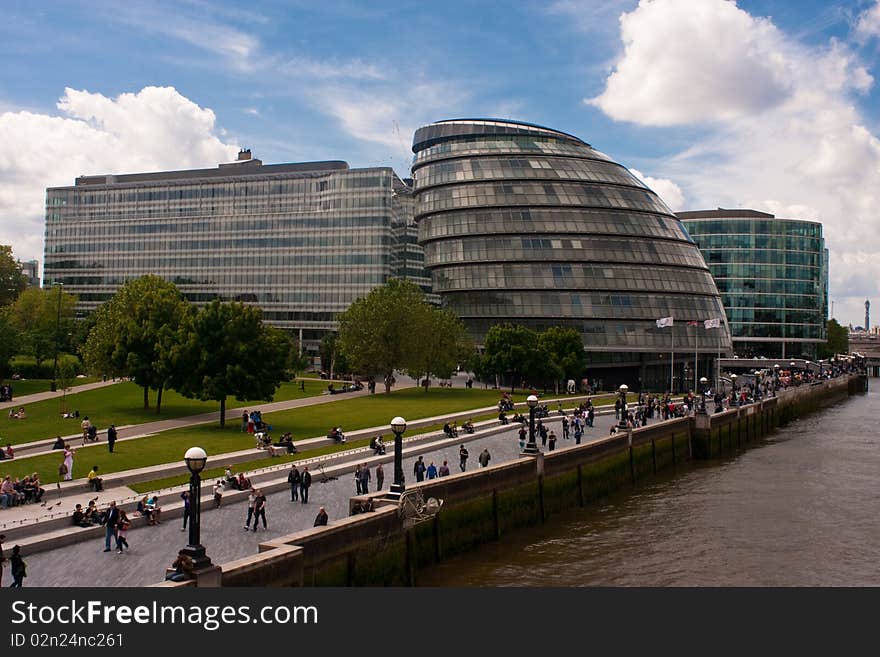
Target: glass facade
772 274
529 225
302 241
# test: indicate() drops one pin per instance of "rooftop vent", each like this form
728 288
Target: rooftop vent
244 154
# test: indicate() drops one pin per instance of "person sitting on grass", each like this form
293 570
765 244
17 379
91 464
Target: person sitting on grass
9 453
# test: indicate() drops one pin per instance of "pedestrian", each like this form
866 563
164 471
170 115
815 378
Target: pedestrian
302 385
522 438
111 519
419 469
111 437
252 496
380 477
542 430
122 531
218 494
304 484
552 440
365 479
244 421
18 567
357 479
432 471
68 462
484 457
186 508
444 470
293 479
321 518
260 509
462 457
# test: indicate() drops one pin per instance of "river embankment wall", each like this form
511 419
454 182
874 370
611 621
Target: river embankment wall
387 548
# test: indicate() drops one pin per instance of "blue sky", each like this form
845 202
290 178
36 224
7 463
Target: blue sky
758 103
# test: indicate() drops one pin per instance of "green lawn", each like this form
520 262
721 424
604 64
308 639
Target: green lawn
32 386
122 404
309 422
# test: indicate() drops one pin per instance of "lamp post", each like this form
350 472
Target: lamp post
702 408
622 390
531 446
54 385
398 426
195 458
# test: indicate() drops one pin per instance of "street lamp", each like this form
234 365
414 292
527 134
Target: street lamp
531 446
622 390
195 458
54 386
702 408
398 426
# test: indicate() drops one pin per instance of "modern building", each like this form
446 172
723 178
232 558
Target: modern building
302 241
31 269
530 225
772 274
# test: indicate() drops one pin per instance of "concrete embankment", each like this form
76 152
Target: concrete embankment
383 548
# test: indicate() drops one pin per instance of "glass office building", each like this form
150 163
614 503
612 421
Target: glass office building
529 225
772 274
301 241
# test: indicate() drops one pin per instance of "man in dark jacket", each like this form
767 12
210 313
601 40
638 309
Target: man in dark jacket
321 518
293 480
419 469
111 517
305 482
111 437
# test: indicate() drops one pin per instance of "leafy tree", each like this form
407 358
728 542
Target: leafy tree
511 349
449 344
229 351
332 360
44 319
12 281
376 333
136 334
8 342
566 357
838 341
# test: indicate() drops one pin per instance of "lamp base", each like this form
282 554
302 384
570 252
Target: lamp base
395 492
200 560
530 450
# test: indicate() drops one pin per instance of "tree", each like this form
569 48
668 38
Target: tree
136 333
566 357
332 360
838 341
12 281
44 319
376 333
449 344
229 351
8 342
511 349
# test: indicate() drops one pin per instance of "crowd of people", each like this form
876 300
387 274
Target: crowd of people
15 491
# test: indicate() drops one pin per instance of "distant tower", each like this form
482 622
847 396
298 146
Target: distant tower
867 316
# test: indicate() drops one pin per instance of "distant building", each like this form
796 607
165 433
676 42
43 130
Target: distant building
301 241
772 274
31 269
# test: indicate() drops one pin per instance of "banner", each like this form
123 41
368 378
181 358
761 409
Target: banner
664 321
712 323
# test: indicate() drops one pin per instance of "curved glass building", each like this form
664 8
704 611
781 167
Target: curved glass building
772 274
529 225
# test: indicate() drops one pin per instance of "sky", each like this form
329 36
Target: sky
765 104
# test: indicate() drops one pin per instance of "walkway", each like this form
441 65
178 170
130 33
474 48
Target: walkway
42 396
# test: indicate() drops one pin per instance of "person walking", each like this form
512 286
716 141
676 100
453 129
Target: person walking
565 428
260 510
357 479
68 462
186 508
244 421
484 457
365 479
111 437
110 521
218 494
380 477
552 440
444 470
462 457
321 518
419 469
250 509
293 480
122 531
432 471
18 568
304 484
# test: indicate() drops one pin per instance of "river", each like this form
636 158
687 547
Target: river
799 509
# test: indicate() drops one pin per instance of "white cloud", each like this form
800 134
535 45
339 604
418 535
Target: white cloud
668 191
869 22
781 125
329 69
153 129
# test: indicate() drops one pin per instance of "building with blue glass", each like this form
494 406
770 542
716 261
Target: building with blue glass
529 225
301 241
772 274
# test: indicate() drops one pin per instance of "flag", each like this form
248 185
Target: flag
664 321
712 323
693 323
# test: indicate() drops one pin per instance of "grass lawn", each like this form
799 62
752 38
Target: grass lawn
33 386
309 422
122 404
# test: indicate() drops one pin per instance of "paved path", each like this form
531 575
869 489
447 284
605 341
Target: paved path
42 396
222 533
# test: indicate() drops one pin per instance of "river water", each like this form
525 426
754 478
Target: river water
802 508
